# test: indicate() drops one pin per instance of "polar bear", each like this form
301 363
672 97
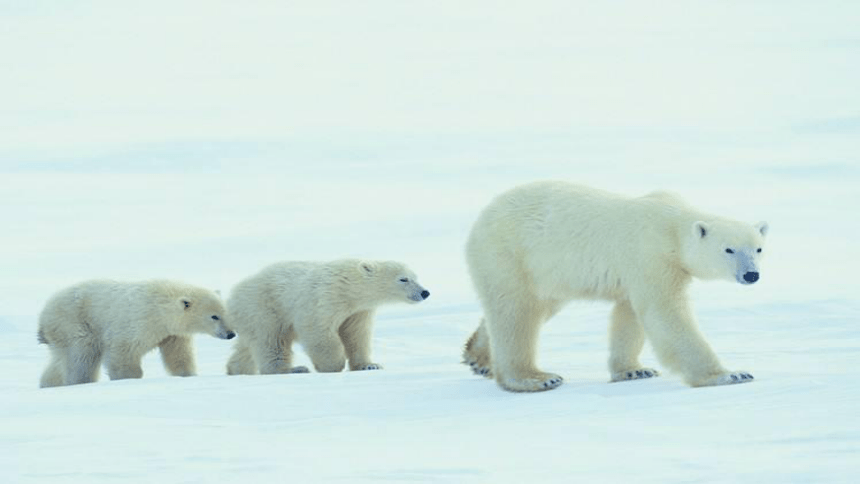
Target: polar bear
119 322
328 307
540 245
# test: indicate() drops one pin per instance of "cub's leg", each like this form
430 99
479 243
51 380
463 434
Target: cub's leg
323 345
82 360
626 339
241 362
53 374
124 361
177 354
356 335
272 352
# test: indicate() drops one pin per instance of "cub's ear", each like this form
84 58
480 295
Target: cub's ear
186 302
700 229
762 228
367 267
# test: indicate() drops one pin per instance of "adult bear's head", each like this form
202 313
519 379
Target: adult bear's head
724 249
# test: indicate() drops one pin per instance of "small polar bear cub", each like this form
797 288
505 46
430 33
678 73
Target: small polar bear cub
328 307
540 245
117 323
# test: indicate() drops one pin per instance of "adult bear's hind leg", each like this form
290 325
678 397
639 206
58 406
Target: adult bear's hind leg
513 324
476 354
626 339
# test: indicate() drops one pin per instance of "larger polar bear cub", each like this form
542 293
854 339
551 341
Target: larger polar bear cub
328 307
119 322
538 246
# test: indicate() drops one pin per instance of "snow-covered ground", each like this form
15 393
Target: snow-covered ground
425 418
204 140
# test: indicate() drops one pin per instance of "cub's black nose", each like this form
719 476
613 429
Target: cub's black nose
231 335
751 277
425 294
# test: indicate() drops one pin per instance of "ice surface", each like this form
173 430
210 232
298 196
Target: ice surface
204 140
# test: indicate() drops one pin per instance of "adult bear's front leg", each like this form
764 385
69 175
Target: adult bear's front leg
680 346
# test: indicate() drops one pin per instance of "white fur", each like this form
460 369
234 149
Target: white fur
328 307
119 322
538 246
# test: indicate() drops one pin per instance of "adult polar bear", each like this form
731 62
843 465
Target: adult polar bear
327 306
540 245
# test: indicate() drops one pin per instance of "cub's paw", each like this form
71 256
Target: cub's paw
299 369
634 374
369 366
729 379
538 382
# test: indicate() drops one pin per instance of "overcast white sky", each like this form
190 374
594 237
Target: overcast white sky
200 140
97 85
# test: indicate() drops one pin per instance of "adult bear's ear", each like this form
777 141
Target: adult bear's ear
762 228
700 229
186 302
367 267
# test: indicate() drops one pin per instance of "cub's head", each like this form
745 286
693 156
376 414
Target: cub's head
203 312
394 281
725 249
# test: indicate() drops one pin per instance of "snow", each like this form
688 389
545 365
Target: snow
425 418
203 140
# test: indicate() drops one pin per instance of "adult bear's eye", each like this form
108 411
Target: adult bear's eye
729 251
403 279
216 318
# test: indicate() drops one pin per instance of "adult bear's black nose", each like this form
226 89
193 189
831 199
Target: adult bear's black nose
425 294
751 277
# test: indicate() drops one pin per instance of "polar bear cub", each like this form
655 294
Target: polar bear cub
328 307
118 323
540 245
